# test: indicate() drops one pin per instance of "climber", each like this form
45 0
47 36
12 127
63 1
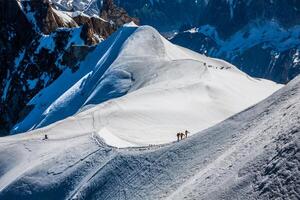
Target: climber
186 133
181 135
46 137
178 135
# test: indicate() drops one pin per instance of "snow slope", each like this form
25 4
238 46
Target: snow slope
163 89
252 155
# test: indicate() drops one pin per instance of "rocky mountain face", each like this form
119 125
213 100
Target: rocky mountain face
165 15
108 10
37 44
229 16
89 7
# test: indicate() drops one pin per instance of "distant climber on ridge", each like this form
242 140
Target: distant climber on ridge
186 133
46 137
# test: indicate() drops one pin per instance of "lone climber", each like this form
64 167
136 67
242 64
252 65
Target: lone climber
46 137
178 135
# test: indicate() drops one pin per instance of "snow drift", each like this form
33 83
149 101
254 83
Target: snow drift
162 89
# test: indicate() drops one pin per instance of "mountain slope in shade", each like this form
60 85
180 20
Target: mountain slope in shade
252 155
164 89
262 48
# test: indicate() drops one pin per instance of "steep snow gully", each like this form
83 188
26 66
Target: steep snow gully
252 155
138 89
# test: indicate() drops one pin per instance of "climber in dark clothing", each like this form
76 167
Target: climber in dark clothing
178 135
181 136
186 133
46 137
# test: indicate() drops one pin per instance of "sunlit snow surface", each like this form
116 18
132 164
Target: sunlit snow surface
162 89
251 155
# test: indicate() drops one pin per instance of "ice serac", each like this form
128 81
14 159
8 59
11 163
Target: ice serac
251 155
137 88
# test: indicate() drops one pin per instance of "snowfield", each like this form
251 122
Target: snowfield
137 89
251 155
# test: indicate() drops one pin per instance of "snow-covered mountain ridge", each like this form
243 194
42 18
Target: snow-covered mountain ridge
101 120
253 155
162 89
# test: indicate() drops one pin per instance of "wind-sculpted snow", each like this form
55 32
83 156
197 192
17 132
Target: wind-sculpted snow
252 155
143 90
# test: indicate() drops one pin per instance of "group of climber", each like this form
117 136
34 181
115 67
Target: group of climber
181 136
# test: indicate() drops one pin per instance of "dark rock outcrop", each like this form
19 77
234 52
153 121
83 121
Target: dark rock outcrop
94 26
115 15
13 38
